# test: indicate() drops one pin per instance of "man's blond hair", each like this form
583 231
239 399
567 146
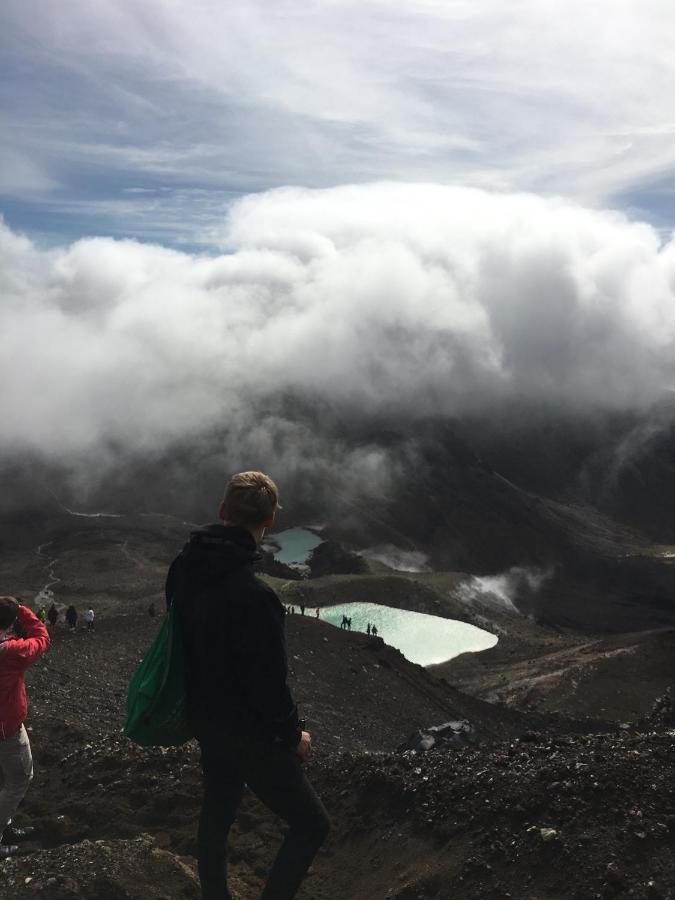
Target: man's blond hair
250 499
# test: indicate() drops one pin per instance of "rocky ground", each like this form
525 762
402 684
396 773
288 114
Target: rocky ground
530 804
524 813
614 677
544 816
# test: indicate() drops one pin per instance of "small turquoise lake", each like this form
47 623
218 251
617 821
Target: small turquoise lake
295 545
421 638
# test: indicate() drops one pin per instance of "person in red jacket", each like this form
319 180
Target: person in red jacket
16 761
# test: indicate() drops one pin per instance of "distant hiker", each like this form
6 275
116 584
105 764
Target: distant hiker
71 617
240 706
16 761
663 710
88 618
302 609
368 628
53 615
316 612
349 623
42 614
373 630
343 624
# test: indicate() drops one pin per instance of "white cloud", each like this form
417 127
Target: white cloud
504 590
388 299
21 176
396 558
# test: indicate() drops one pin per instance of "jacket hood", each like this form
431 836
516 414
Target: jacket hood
218 549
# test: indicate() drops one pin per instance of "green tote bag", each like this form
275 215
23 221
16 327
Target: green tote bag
157 697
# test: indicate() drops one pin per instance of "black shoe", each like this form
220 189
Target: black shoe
7 850
13 833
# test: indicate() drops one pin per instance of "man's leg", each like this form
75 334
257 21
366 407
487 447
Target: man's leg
16 763
276 776
223 790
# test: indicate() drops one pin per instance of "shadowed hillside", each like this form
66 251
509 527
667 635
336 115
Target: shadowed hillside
506 816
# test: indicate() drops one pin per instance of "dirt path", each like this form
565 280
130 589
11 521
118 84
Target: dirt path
617 677
46 594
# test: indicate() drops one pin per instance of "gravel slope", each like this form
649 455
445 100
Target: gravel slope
542 814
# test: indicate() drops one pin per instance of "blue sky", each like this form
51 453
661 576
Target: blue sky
147 118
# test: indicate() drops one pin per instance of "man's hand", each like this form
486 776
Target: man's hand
304 745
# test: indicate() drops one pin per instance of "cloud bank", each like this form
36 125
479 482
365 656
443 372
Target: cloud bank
394 301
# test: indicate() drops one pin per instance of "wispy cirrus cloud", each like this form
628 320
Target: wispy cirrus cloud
180 99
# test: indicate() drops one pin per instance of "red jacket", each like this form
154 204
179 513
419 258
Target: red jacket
16 655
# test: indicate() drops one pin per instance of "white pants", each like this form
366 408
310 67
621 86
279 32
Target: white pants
16 771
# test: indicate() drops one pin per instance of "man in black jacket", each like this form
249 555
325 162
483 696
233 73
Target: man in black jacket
240 704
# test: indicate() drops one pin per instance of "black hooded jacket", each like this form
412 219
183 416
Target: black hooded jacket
233 625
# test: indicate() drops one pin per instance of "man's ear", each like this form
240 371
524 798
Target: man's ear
221 511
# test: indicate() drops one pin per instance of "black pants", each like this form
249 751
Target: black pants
275 775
